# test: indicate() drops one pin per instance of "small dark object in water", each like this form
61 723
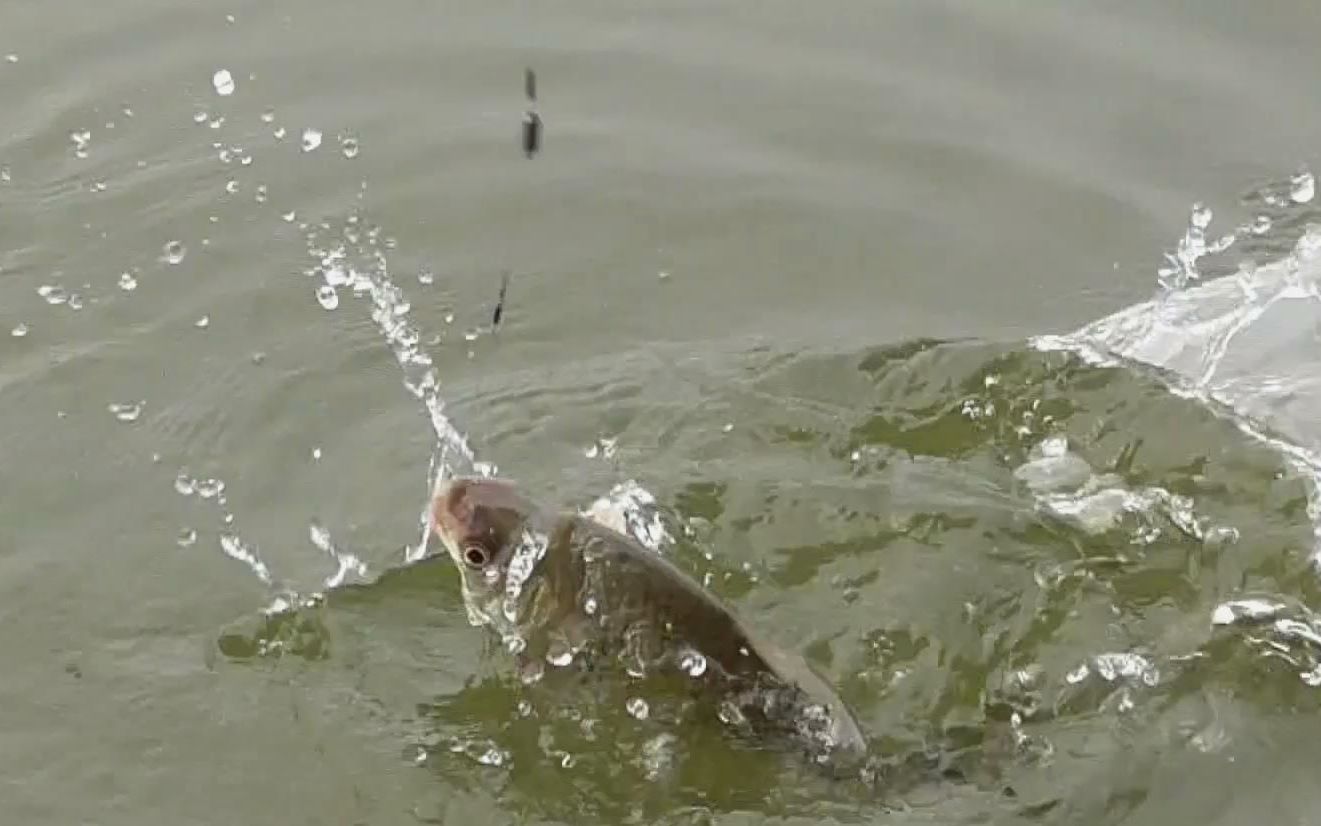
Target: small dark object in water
500 302
531 120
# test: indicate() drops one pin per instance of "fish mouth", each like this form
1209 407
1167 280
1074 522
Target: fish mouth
454 501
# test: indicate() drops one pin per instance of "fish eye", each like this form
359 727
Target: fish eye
476 555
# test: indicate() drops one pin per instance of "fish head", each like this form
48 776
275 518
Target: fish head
482 522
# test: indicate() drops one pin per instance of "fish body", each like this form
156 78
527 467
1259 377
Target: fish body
557 586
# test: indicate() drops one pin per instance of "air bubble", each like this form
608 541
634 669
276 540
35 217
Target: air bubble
289 216
187 538
174 252
349 146
223 81
127 412
316 453
589 606
268 116
1201 216
231 187
217 122
637 707
203 322
75 301
327 297
426 277
260 197
199 117
560 659
185 484
11 58
19 330
311 139
279 133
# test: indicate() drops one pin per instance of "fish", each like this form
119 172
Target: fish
560 587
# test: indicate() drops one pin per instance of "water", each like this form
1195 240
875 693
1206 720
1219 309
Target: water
805 301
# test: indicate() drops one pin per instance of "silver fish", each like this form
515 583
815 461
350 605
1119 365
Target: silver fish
560 587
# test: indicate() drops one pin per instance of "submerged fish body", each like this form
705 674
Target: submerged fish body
560 587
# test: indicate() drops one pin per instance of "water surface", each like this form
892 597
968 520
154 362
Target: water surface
780 267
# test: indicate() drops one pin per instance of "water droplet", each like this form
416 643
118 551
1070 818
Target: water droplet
693 663
53 293
224 82
1077 675
260 197
524 708
729 427
268 116
98 186
426 277
589 606
80 141
231 187
566 760
1261 224
217 122
289 216
560 659
185 484
663 275
229 18
1302 187
637 707
127 412
203 322
4 174
199 117
187 537
730 714
350 147
11 58
279 133
174 252
311 139
327 297
210 488
19 330
75 301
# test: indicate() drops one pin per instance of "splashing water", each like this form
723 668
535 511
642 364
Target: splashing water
1241 343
